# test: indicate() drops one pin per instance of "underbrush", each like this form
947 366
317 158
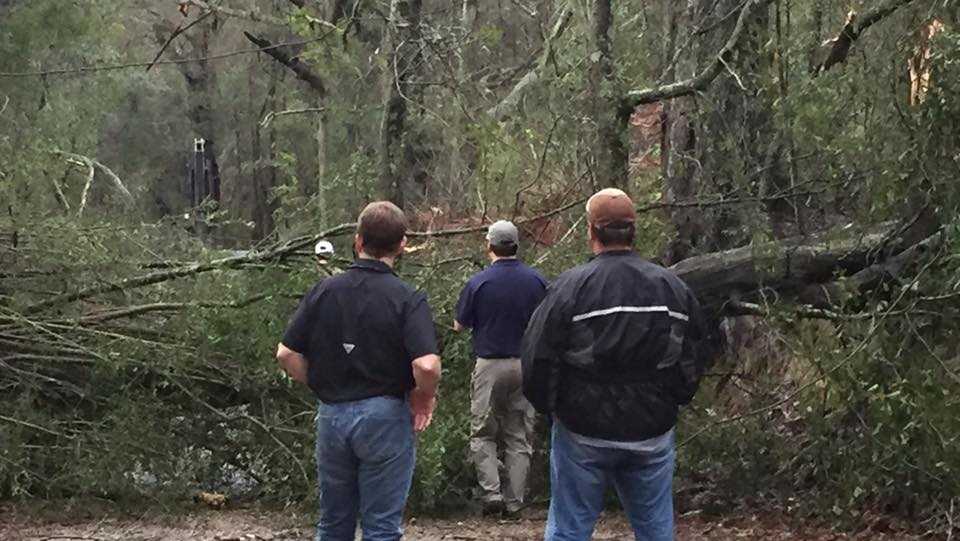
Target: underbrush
818 418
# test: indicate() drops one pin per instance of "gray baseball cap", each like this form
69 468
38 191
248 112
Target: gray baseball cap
503 233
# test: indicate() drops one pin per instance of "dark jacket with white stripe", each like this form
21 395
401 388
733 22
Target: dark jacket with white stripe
614 348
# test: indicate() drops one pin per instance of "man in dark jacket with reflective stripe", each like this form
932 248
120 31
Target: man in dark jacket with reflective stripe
616 346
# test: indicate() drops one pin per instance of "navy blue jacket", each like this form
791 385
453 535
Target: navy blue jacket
496 305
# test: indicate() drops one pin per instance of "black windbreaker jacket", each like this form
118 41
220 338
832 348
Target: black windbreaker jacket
614 348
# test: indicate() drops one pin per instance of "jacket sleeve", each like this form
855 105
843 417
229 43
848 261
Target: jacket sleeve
543 343
698 351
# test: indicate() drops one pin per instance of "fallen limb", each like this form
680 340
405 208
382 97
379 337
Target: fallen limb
794 265
91 164
876 322
91 172
157 277
133 311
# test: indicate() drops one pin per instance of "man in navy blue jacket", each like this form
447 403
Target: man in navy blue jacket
496 305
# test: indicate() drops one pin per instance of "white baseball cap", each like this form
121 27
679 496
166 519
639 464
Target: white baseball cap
323 249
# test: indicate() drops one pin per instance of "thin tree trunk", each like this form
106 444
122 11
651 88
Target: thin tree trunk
402 48
608 110
462 161
322 166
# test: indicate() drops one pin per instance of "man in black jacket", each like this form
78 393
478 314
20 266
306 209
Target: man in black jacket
616 346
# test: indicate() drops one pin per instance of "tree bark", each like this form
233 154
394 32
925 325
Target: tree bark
402 48
316 83
463 155
608 111
322 167
508 105
803 268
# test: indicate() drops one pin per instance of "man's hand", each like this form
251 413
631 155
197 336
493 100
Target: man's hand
293 363
423 398
457 327
422 406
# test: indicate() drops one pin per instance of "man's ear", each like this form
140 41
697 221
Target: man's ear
403 244
591 236
357 243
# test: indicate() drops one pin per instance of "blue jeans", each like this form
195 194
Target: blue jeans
365 460
580 474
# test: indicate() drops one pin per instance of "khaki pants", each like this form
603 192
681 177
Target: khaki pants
500 413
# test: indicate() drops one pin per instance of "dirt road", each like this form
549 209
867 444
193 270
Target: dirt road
249 525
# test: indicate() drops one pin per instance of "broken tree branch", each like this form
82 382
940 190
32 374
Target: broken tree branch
854 27
278 252
91 164
794 266
700 82
133 311
86 187
302 71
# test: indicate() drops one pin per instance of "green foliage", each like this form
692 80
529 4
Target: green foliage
837 416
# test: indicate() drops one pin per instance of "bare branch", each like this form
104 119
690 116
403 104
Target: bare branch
91 164
33 426
508 104
61 198
283 250
133 311
180 29
86 187
274 114
302 71
700 82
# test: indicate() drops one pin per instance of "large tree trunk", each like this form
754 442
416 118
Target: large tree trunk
402 48
806 269
727 142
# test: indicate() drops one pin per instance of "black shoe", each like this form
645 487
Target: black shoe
516 514
492 508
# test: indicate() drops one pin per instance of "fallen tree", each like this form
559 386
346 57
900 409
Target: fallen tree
821 271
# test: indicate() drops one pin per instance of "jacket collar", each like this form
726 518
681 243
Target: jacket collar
613 253
374 265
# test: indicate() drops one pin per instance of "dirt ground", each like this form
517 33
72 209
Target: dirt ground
251 525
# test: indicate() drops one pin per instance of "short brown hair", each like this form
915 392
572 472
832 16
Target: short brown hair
615 234
381 227
504 250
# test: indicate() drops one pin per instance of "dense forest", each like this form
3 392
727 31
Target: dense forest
166 167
